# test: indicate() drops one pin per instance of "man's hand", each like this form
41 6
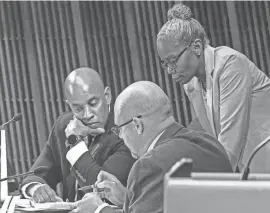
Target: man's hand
76 127
114 191
43 193
89 203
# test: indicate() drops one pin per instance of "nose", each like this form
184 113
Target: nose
88 113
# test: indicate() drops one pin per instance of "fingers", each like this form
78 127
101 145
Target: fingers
106 184
76 127
89 203
96 131
102 176
58 199
45 194
102 195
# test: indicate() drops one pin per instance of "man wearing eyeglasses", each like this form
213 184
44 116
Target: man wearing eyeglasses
81 143
145 122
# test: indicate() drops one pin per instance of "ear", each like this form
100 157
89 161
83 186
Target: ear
108 95
197 47
138 125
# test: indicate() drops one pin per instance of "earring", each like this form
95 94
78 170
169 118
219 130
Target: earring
109 107
140 133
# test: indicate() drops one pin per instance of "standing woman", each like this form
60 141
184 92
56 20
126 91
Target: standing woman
229 94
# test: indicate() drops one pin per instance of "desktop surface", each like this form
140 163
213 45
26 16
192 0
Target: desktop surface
212 193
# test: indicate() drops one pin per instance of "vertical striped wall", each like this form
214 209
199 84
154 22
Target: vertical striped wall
254 27
41 42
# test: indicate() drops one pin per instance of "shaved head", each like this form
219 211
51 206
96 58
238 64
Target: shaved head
80 81
87 97
142 97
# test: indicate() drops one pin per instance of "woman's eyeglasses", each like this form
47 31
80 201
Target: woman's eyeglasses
172 64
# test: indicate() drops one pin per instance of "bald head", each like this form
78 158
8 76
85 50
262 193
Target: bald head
142 97
82 80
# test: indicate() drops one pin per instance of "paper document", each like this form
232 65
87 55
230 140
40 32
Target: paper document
30 206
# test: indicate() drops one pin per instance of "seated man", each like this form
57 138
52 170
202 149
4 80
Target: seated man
145 121
94 147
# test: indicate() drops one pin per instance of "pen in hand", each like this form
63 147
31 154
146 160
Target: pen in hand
94 187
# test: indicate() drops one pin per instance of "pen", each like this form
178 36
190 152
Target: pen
94 187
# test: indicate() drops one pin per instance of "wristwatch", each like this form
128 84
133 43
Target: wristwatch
72 141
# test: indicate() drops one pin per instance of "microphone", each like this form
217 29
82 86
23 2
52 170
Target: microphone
247 169
38 171
14 119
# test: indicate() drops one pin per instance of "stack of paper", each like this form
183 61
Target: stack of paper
30 206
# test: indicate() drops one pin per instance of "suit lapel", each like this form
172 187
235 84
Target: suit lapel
209 68
209 101
199 107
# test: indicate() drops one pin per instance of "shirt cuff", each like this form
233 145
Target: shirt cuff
25 189
76 152
102 206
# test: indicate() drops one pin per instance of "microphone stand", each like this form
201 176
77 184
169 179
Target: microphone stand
15 176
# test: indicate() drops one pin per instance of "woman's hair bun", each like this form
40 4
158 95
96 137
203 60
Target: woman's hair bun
179 11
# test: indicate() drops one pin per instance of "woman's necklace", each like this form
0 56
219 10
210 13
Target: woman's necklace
203 91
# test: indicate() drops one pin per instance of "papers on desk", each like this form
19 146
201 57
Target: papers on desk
30 206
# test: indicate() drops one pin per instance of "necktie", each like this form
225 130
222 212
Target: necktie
88 141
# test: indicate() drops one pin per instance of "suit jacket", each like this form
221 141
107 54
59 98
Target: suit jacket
236 109
111 155
145 181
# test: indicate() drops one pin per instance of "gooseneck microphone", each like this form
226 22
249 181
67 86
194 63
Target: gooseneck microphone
14 119
38 171
247 169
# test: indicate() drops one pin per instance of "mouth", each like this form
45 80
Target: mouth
91 124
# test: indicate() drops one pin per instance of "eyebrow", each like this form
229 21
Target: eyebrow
169 58
89 100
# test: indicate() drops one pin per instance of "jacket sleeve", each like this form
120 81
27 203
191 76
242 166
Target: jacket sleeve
118 163
145 188
235 103
46 159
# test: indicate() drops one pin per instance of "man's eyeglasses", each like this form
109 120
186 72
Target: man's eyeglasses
116 129
172 64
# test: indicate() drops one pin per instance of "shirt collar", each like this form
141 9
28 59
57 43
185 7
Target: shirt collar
209 54
152 145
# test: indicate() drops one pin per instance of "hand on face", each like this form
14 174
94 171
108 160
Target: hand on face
44 193
89 203
76 127
114 191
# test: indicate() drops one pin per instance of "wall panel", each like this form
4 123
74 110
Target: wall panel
16 95
254 28
106 40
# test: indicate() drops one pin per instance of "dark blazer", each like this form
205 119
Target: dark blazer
145 182
111 155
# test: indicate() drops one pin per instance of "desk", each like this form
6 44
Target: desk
189 192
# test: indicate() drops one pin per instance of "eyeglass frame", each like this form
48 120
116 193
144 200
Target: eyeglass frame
116 129
166 65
